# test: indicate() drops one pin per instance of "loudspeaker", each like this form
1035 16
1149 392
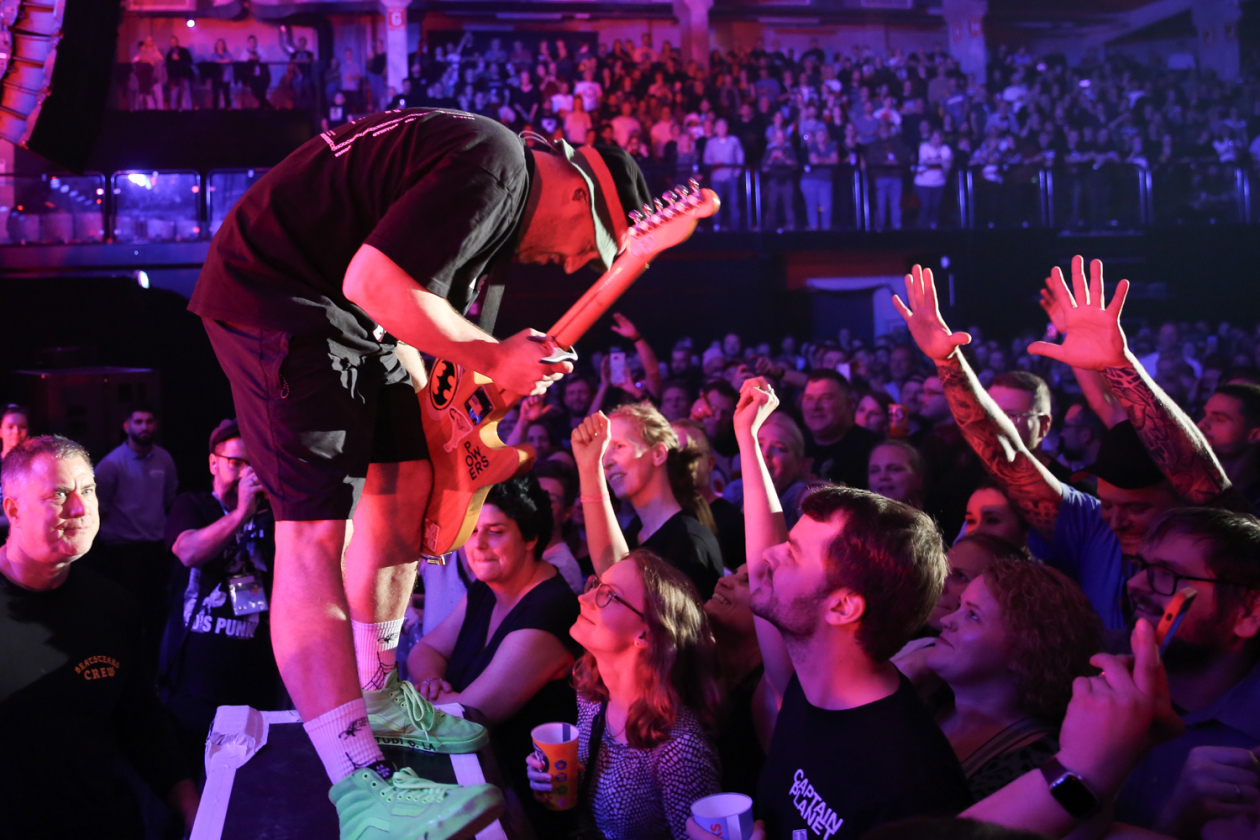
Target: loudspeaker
53 92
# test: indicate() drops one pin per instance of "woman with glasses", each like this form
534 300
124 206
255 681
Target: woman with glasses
505 650
647 694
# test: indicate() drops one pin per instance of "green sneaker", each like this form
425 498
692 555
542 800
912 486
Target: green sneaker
400 717
407 807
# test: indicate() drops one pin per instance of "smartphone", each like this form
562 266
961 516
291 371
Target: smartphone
616 366
1174 614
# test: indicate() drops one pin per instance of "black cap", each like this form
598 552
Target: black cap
616 185
1124 461
226 430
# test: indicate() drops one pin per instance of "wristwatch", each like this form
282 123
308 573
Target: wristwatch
1070 790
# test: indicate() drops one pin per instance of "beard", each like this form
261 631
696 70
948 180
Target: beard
796 619
141 438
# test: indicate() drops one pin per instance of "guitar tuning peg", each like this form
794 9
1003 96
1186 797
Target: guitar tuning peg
695 185
647 210
681 190
636 216
659 206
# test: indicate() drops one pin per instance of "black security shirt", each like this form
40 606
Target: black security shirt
441 193
74 701
686 545
838 774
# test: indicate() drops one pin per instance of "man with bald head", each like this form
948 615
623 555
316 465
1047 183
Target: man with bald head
75 694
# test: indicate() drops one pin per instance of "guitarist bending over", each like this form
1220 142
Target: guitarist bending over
369 235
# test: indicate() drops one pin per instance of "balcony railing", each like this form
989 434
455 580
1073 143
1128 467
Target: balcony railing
183 205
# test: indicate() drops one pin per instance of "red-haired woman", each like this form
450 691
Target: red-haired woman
647 694
1021 634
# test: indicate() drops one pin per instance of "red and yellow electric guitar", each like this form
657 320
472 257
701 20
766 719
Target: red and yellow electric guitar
462 408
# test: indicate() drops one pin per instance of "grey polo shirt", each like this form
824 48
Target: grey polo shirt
135 492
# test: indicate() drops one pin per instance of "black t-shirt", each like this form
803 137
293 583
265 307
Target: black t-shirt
838 774
209 652
686 545
550 606
441 193
75 700
730 532
846 461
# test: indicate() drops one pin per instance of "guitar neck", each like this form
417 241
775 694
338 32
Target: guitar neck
597 300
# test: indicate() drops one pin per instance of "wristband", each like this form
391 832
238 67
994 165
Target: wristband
595 498
637 337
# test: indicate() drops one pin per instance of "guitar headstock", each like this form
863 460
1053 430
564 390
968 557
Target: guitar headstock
670 221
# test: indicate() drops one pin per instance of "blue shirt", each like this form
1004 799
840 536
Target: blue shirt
1085 549
135 492
1232 721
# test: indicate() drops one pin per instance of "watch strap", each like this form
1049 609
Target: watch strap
1070 790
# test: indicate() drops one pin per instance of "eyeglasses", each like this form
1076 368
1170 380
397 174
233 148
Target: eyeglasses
604 595
236 463
1164 581
1021 415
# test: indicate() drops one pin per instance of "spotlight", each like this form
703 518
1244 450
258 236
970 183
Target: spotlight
142 277
190 23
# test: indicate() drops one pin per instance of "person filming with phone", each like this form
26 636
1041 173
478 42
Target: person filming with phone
216 650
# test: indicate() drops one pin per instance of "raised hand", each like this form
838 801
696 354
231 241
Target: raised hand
623 327
535 408
923 317
1052 306
1115 717
757 401
590 441
1095 340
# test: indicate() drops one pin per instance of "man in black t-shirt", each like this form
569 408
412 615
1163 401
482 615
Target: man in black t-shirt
852 746
840 448
217 646
76 697
370 235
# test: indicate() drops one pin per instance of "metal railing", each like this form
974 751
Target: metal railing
182 205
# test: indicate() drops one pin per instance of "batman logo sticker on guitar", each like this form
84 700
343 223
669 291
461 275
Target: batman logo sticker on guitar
442 383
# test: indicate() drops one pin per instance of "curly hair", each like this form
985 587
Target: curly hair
679 665
1052 631
680 463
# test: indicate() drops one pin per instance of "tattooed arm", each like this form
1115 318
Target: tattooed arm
988 430
1095 341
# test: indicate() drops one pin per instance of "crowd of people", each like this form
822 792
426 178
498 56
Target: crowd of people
910 122
859 581
904 119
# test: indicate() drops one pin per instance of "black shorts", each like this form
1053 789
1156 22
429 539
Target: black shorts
314 410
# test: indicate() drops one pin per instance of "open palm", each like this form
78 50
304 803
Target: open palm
923 316
1094 340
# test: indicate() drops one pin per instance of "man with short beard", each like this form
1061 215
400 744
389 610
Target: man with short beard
853 747
1213 670
75 695
136 485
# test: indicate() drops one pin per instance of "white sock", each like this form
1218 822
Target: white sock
344 740
375 649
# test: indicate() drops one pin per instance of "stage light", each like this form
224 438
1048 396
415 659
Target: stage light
140 180
944 262
142 277
190 23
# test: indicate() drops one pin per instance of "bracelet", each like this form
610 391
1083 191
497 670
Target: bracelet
595 498
637 337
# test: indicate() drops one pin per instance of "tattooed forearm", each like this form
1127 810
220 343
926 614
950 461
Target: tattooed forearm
990 433
1175 443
